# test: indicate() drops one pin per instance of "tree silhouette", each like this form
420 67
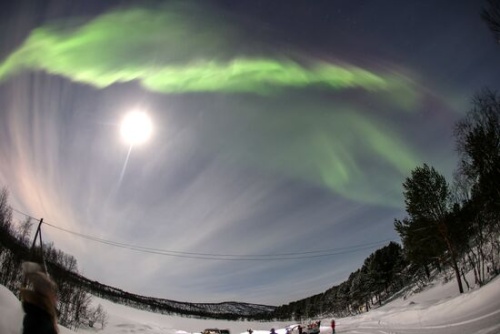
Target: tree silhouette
428 204
491 16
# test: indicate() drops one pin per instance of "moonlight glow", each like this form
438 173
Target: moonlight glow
136 127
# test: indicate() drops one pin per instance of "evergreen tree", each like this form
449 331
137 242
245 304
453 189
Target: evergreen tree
428 203
384 267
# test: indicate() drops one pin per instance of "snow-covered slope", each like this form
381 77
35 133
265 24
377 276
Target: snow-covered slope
438 309
11 314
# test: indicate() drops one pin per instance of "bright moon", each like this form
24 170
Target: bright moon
136 127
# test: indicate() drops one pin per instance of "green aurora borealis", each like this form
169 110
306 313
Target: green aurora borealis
158 49
357 156
170 52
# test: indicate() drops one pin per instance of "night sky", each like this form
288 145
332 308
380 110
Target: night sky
282 132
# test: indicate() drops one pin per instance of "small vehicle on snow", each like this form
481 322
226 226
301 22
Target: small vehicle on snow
311 328
215 331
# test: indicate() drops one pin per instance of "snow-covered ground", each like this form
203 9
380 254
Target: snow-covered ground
438 309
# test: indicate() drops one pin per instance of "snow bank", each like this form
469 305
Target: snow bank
437 306
11 313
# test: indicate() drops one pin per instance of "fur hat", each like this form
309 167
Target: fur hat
44 291
31 267
42 284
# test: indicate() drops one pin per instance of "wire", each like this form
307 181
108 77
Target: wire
27 215
231 257
215 256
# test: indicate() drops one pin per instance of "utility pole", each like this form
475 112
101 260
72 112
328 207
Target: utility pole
38 234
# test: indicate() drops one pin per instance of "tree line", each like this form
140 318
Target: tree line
458 225
383 273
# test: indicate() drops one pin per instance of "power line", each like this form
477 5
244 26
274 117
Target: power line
230 257
27 215
215 256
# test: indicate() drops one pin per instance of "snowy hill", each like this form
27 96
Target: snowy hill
167 306
438 309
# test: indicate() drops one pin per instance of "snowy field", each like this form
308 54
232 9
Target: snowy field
438 309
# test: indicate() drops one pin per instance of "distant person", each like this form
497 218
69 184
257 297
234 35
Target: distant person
333 326
272 331
300 329
250 331
39 303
